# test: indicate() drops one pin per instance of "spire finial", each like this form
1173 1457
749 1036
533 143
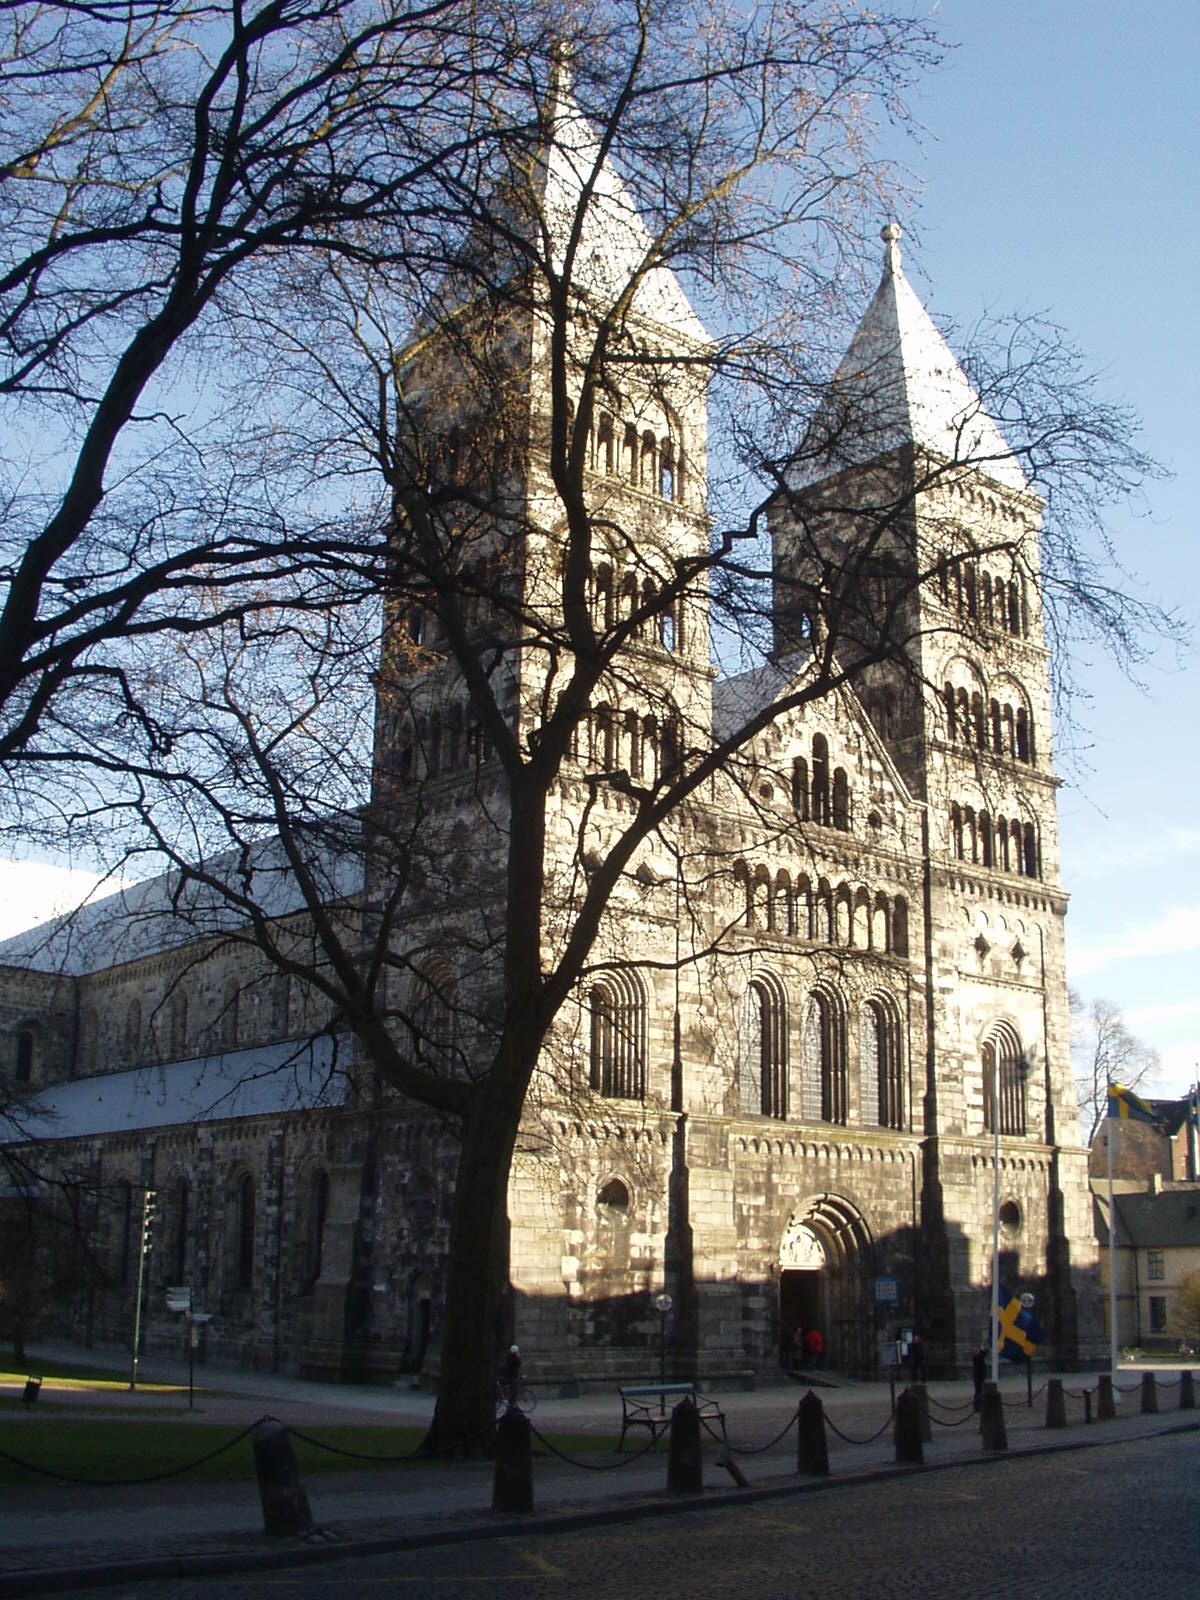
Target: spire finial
891 236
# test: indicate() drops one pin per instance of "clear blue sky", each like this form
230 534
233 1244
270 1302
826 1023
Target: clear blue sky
1060 174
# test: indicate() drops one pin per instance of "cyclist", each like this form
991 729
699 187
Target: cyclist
510 1375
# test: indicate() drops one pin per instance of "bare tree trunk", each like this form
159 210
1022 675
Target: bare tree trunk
464 1419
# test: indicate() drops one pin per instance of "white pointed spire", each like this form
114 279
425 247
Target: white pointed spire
899 384
614 239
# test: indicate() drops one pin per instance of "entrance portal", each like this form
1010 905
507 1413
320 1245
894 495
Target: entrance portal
825 1261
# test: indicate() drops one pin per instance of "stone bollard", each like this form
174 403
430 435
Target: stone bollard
922 1394
1105 1408
512 1481
1149 1393
910 1450
685 1475
1056 1404
812 1447
284 1503
991 1419
1187 1391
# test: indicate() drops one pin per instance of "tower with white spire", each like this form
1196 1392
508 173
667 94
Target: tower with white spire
908 546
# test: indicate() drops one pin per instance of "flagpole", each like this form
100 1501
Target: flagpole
995 1327
1112 1245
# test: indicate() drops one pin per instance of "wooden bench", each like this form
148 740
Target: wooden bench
645 1406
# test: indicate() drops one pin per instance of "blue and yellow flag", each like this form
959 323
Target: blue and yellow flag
1125 1104
1020 1330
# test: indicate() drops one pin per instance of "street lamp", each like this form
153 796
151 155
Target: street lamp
662 1304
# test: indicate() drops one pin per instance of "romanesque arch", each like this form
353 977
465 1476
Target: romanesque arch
826 1263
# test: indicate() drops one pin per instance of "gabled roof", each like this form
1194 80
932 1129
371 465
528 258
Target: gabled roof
1165 1218
271 1080
614 240
899 384
170 911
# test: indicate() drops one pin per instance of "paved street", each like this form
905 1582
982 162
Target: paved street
1110 1524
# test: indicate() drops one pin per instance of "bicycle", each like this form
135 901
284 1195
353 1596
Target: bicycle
514 1397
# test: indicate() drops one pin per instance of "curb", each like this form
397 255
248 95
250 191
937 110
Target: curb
51 1580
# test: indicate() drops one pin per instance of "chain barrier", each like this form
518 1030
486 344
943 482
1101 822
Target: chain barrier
592 1466
845 1437
349 1455
121 1483
958 1423
1025 1403
942 1405
752 1449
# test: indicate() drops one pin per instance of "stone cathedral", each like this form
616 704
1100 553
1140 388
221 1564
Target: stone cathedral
823 997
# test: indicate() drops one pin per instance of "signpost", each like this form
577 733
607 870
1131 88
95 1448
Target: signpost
179 1300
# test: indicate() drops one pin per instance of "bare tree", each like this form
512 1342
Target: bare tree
1105 1052
157 164
504 402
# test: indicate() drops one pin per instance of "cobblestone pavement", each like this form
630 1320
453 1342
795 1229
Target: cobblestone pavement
1107 1524
63 1539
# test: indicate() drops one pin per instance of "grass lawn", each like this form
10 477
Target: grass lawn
113 1450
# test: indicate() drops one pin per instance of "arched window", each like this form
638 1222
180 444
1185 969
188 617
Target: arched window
666 471
124 1229
762 1067
133 1033
1024 735
229 1015
666 630
241 1257
800 788
948 701
431 1007
672 747
820 780
316 1211
881 1075
604 443
179 1025
178 1221
1033 867
824 1094
281 1004
602 742
433 757
900 926
1005 1072
633 744
648 475
24 1066
602 598
841 800
617 1046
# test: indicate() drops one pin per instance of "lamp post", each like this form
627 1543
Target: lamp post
662 1304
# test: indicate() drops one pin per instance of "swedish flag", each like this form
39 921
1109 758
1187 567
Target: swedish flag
1020 1331
1125 1104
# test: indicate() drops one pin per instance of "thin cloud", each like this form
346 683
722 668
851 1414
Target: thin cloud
1174 933
1134 847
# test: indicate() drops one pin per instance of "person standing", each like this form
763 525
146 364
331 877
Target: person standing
814 1349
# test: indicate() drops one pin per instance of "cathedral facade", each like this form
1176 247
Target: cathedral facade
823 1039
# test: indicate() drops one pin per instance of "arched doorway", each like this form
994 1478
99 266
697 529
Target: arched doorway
825 1267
